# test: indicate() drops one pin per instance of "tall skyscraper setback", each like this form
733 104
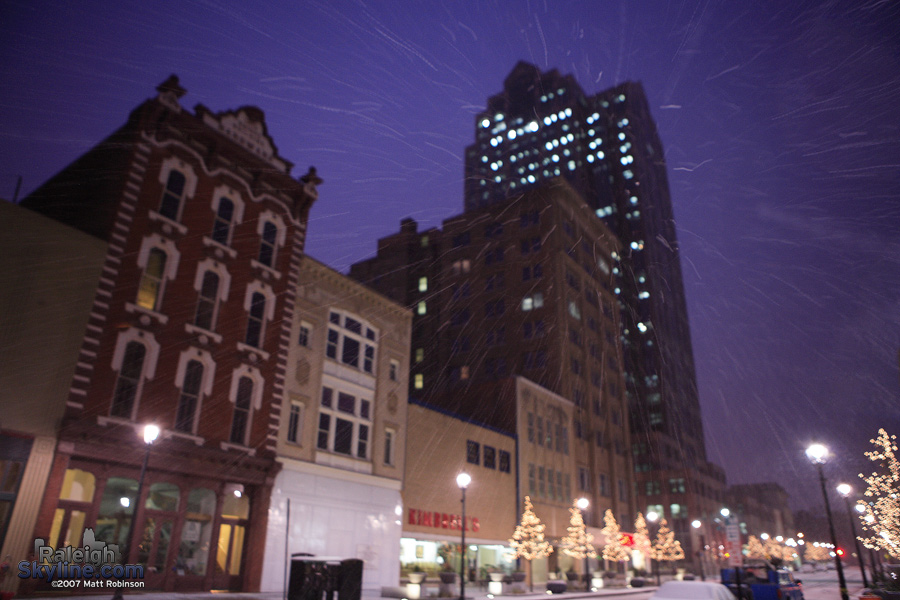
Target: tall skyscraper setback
521 289
543 126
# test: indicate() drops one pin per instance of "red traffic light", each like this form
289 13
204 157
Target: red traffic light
839 552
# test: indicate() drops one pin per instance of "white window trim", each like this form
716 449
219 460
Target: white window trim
148 369
359 394
258 382
275 219
363 341
219 269
173 256
390 432
265 290
235 197
300 422
209 371
173 163
255 401
267 216
309 334
224 276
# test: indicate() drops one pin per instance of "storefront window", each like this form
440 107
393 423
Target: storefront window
154 546
193 552
162 496
116 511
235 512
75 499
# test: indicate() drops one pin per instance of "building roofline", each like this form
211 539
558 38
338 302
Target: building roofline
334 275
458 417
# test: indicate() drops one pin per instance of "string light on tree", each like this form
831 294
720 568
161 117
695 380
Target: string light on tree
755 548
577 542
528 539
666 547
613 550
880 516
641 535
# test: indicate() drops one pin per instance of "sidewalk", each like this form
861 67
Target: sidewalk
476 594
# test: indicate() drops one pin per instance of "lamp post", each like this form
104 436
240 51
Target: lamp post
845 490
462 481
818 455
582 504
861 509
696 524
151 432
653 517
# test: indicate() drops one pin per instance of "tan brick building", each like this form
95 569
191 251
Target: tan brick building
343 429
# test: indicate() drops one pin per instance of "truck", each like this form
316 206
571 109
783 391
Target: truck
762 582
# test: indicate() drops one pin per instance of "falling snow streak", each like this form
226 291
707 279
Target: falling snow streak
779 124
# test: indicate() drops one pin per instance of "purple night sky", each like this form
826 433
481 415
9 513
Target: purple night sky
779 119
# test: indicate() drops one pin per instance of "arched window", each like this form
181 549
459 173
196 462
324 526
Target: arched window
224 216
256 320
190 397
267 244
129 381
150 289
240 423
208 301
172 195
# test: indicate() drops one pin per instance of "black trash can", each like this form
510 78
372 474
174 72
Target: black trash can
350 587
319 578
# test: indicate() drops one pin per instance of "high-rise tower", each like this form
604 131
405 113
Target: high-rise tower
542 126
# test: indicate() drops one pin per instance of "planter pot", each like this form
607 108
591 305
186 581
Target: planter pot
572 576
517 576
447 577
416 577
637 582
556 586
496 576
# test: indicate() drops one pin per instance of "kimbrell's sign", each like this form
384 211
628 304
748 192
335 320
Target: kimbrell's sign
439 520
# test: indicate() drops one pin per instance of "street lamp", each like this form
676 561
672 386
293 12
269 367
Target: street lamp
861 509
151 432
696 524
845 490
582 504
462 481
653 517
818 455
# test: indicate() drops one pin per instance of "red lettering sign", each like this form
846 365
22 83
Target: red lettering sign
439 520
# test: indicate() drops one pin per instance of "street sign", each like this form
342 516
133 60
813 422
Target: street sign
733 545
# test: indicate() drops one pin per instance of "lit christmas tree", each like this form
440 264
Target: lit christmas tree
666 547
528 539
641 536
755 548
613 550
881 515
577 542
815 552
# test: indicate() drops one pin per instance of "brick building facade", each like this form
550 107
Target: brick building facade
189 329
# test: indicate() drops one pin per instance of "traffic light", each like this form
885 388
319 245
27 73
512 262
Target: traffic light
839 551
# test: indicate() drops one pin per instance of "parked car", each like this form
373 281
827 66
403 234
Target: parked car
692 590
764 583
